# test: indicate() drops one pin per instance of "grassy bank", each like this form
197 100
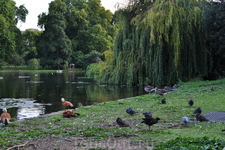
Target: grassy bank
97 122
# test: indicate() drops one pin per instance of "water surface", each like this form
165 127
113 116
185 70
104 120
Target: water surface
30 94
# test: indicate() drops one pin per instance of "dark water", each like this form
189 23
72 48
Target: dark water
27 95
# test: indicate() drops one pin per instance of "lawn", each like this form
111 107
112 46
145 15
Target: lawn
98 122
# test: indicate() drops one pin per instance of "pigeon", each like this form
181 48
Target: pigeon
147 115
163 101
198 111
201 118
185 120
121 122
190 102
130 111
150 121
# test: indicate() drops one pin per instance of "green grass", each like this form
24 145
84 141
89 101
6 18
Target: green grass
97 122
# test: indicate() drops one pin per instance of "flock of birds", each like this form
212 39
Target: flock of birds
149 120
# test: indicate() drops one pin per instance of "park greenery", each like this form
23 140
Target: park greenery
158 42
97 123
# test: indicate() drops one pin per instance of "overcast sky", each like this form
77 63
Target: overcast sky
36 7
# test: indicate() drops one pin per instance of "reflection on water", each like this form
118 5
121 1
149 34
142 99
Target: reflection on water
30 112
27 108
29 94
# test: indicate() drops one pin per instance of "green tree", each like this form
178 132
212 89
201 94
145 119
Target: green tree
88 27
214 20
159 43
55 47
28 49
9 33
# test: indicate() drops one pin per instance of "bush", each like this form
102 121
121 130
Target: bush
33 64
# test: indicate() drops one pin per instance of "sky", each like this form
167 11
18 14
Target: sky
36 7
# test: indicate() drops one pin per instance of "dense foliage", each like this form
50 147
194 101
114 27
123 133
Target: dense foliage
158 43
84 25
148 41
9 16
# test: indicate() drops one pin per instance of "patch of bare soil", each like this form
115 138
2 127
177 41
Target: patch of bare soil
79 143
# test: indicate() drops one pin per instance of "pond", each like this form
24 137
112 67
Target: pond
30 94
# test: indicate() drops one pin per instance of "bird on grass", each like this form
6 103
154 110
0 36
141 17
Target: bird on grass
168 88
147 115
185 120
149 88
130 111
67 104
223 130
201 118
68 113
150 121
212 88
176 86
198 111
160 92
121 122
163 101
5 117
190 102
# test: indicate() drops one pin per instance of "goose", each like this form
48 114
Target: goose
160 92
149 88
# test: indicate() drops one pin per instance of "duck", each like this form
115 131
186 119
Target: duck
68 113
5 117
160 92
149 88
176 86
67 104
121 122
168 88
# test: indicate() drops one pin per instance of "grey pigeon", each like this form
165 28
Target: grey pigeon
121 122
190 102
201 118
198 111
130 111
185 120
163 101
147 115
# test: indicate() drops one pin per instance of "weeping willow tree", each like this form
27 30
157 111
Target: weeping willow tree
158 43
